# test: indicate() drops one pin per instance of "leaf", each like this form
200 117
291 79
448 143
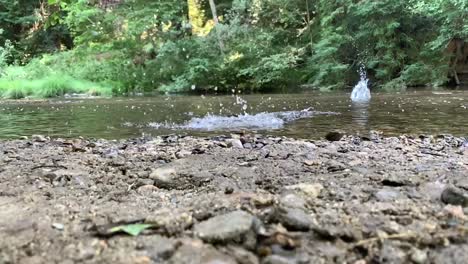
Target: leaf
132 229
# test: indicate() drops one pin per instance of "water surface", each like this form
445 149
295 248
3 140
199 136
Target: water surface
304 115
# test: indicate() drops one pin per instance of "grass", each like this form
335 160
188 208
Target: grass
52 76
50 86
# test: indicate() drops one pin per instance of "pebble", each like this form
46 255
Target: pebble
454 196
235 143
295 219
231 227
58 226
310 191
386 195
39 138
418 256
163 177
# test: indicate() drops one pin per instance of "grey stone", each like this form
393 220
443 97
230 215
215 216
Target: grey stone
164 177
235 143
385 195
307 190
276 259
171 221
158 247
199 253
235 226
294 219
39 138
418 256
454 196
292 201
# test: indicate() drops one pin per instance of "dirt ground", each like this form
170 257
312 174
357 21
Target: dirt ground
236 199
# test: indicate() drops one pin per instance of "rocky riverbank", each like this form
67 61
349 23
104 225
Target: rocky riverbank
238 199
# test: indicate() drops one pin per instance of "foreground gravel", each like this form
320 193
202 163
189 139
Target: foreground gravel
236 199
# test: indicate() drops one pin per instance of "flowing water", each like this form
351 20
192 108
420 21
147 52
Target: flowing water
305 115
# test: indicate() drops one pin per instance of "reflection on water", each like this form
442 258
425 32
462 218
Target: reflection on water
360 114
417 111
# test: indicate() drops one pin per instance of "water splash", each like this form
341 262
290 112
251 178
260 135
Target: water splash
260 121
361 92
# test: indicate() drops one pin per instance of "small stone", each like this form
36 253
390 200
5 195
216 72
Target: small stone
262 200
310 191
455 211
38 138
159 248
171 221
294 219
292 201
312 162
418 256
182 154
248 146
433 190
454 196
334 166
143 182
58 226
196 252
228 190
235 143
235 226
241 255
276 259
164 177
142 260
147 189
386 195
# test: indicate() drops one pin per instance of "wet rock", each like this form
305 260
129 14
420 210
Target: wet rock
454 196
334 136
309 191
237 226
295 219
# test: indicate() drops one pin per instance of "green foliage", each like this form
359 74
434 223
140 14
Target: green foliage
131 229
171 46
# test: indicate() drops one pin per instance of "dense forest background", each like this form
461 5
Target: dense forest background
50 47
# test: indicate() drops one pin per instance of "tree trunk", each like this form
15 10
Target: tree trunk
216 22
